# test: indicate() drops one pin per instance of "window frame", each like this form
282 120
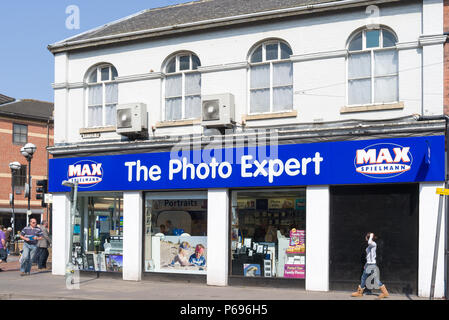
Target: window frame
19 179
103 83
183 74
272 62
14 133
372 77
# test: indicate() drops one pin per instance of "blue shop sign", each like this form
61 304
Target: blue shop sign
397 160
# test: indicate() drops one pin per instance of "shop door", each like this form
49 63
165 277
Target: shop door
391 212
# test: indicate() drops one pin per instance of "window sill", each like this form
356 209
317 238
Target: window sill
97 130
376 107
266 116
177 123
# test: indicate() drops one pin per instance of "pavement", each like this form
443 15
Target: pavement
45 286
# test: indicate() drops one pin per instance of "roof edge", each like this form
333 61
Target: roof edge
64 46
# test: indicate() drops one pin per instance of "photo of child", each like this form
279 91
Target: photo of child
197 258
182 254
182 257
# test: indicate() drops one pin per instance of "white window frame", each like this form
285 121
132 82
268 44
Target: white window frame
183 74
372 76
271 63
97 69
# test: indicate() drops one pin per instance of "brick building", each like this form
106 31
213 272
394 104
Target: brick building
23 121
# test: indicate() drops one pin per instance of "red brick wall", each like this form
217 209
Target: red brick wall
446 59
9 152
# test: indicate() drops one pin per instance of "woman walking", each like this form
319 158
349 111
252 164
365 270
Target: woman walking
369 267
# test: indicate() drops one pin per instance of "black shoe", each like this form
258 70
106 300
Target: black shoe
1 270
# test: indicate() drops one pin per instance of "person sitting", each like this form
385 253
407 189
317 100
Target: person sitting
197 258
182 256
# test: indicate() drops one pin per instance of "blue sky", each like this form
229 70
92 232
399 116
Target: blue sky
28 26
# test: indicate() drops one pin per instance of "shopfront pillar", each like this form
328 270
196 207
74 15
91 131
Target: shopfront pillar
132 236
428 215
217 237
317 238
60 233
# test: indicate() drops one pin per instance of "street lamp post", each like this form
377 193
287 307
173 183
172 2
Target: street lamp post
14 166
27 151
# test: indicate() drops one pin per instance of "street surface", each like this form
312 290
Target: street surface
45 286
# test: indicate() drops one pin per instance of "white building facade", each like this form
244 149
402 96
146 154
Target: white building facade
302 73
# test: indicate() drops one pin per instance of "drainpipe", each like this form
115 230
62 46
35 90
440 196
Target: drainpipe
446 203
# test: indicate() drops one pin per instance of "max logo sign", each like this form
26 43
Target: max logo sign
383 160
87 173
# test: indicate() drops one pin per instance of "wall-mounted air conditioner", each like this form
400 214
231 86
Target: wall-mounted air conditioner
218 110
132 119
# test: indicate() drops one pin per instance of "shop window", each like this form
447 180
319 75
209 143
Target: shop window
176 233
268 234
98 234
271 78
373 68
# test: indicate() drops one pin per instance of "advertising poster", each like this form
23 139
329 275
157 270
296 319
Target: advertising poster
246 204
297 271
114 263
251 270
183 254
300 204
297 241
280 203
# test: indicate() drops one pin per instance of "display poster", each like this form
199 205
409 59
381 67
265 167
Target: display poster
297 241
280 203
300 204
114 263
184 204
182 254
297 271
246 203
251 270
104 224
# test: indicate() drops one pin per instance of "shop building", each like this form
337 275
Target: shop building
225 149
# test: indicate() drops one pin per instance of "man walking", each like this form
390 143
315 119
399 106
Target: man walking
31 235
42 246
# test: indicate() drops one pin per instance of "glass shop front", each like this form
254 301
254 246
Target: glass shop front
268 233
98 233
175 232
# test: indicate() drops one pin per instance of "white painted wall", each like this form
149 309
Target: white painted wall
217 237
132 235
60 233
319 82
317 238
428 213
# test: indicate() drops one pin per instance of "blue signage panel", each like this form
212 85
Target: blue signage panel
415 159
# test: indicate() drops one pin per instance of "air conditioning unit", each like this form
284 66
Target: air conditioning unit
132 119
218 110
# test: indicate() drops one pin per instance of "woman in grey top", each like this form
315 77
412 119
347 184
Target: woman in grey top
370 267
